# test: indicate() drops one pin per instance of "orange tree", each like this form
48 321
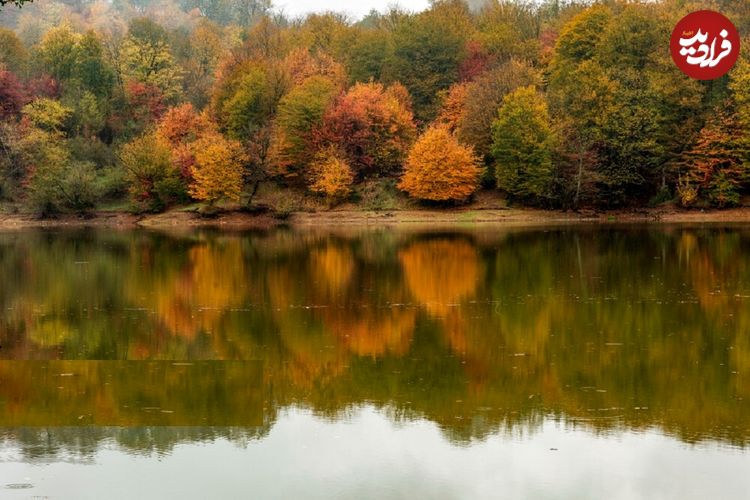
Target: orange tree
439 168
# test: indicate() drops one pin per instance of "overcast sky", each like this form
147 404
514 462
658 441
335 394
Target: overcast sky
355 8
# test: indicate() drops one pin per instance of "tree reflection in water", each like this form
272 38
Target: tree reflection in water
478 330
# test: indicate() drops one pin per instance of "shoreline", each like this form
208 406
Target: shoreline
357 218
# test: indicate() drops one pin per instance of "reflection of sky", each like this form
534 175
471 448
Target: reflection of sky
356 9
368 456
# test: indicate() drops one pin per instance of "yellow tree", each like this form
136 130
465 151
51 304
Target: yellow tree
217 172
331 175
440 169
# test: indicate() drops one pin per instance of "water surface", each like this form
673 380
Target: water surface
574 362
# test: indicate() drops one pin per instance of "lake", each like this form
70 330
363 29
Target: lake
567 362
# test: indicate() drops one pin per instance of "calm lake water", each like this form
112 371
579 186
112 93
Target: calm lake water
576 362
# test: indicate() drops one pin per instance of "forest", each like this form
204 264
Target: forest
151 104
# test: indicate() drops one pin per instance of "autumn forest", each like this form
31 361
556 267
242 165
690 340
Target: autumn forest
151 104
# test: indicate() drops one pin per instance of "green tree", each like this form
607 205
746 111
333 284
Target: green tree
154 181
47 114
147 58
13 54
56 54
299 113
523 143
427 51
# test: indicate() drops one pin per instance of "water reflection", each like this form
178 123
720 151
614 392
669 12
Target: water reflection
477 331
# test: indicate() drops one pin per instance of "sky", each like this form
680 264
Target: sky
355 8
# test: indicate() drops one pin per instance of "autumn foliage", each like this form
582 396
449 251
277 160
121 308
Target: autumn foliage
712 166
331 175
438 168
612 122
179 128
217 171
12 96
373 126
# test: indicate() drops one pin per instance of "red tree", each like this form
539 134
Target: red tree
12 95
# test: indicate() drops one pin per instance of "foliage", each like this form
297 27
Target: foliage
484 97
331 175
299 113
372 125
153 181
147 59
12 95
440 169
713 165
428 49
47 114
523 145
217 171
300 64
13 55
245 99
453 105
624 124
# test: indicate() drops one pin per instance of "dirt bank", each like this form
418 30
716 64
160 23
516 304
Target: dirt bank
467 217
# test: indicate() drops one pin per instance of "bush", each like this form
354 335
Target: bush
79 188
723 190
57 188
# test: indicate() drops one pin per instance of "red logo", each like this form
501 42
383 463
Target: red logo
705 45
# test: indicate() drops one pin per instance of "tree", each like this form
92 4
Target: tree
145 105
218 169
509 30
147 59
372 125
523 144
91 68
17 3
299 113
367 56
331 175
46 160
245 100
713 166
47 114
182 124
453 104
484 97
76 61
206 47
13 55
88 113
57 52
12 95
428 49
300 64
153 181
54 180
438 168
